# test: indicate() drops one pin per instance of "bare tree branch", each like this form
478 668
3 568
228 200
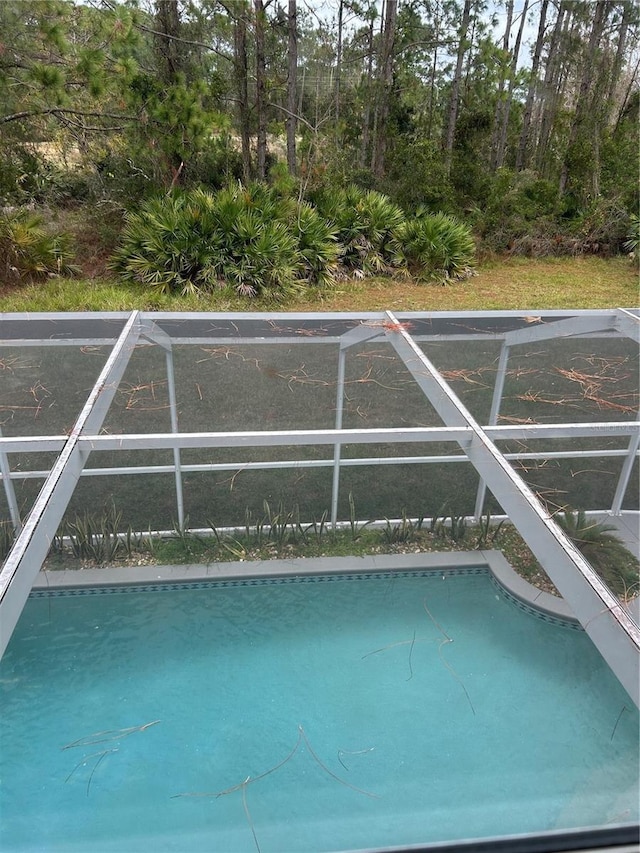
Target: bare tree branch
202 44
60 112
169 37
294 115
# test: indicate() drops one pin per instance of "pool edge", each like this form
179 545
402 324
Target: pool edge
499 568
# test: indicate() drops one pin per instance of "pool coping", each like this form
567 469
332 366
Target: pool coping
498 567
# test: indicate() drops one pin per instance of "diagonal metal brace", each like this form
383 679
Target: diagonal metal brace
32 545
602 616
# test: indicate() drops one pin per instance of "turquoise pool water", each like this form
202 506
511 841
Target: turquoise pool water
314 715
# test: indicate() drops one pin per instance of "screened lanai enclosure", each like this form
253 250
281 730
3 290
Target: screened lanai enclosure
193 421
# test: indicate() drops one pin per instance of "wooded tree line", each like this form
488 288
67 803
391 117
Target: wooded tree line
533 121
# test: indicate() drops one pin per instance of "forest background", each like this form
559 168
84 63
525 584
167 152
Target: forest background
517 120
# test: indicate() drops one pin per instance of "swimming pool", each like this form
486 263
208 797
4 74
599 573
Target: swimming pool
313 713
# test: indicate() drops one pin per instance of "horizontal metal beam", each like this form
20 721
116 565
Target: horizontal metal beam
526 432
19 343
203 467
35 444
317 463
500 432
281 340
249 340
571 327
277 438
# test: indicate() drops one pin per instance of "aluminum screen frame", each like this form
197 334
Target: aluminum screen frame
603 617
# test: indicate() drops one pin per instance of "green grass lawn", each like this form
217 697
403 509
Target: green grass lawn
516 283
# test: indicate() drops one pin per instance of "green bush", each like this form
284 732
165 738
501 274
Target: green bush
20 175
525 215
28 251
425 183
126 178
317 246
366 224
602 229
245 237
520 214
376 238
215 166
437 246
261 242
632 243
601 546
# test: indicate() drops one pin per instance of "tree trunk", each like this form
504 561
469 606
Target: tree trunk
522 155
241 72
338 64
366 117
553 85
584 101
502 141
386 84
261 91
170 65
602 108
376 91
292 80
627 13
455 87
470 42
434 68
168 23
633 82
500 100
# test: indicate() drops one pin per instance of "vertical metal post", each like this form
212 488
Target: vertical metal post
336 448
9 491
625 474
173 407
493 419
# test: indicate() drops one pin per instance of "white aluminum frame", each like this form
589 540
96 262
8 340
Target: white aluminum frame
603 617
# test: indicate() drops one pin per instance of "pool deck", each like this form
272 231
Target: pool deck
494 561
627 528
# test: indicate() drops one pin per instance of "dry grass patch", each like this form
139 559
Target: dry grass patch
512 284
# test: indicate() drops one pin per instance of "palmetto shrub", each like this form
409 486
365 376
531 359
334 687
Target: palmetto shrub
436 245
600 545
28 251
366 223
260 242
317 246
632 243
248 238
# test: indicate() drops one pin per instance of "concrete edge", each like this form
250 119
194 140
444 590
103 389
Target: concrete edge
494 561
521 589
